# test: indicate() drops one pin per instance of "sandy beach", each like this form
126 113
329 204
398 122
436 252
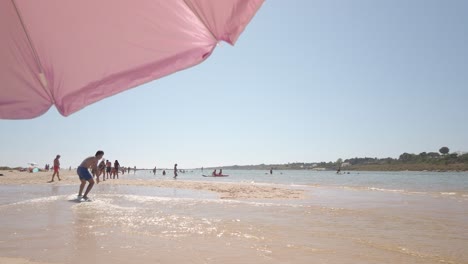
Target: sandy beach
225 190
69 178
146 218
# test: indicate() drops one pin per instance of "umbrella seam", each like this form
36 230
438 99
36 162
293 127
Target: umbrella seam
41 75
201 20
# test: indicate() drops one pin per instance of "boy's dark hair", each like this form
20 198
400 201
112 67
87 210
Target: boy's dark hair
99 152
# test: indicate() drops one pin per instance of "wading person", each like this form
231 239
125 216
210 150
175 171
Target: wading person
85 176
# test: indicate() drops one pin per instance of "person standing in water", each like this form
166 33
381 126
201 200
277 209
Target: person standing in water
85 176
108 169
102 169
56 168
117 168
175 171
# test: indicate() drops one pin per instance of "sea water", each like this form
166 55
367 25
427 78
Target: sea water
433 183
361 217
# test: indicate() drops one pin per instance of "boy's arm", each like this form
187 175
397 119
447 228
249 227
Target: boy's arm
95 168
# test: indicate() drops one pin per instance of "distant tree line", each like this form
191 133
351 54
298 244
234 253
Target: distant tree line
438 161
435 161
424 157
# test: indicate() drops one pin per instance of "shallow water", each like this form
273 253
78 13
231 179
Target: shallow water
336 223
434 183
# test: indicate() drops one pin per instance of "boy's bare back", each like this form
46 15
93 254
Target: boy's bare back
90 162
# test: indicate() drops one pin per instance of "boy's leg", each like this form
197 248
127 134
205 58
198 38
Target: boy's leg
90 186
82 185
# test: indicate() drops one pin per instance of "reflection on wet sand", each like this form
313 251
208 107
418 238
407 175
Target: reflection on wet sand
128 224
84 237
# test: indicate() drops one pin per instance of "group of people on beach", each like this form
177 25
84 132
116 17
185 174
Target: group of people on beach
164 171
108 171
98 166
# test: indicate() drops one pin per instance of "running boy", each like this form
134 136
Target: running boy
83 173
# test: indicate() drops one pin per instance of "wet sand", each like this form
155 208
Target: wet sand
17 261
167 221
226 190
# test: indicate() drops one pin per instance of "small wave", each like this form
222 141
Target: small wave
36 200
172 200
448 193
418 193
385 190
114 201
371 188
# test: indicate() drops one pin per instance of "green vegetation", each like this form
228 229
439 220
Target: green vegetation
444 150
424 161
431 161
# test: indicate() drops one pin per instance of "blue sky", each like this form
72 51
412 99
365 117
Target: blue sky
307 81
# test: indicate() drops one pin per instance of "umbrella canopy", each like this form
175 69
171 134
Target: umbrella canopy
73 53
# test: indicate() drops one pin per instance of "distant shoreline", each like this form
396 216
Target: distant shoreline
454 167
458 167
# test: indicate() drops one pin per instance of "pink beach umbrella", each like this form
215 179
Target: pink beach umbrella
73 53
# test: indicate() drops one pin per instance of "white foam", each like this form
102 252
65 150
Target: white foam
155 199
385 190
46 199
448 193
